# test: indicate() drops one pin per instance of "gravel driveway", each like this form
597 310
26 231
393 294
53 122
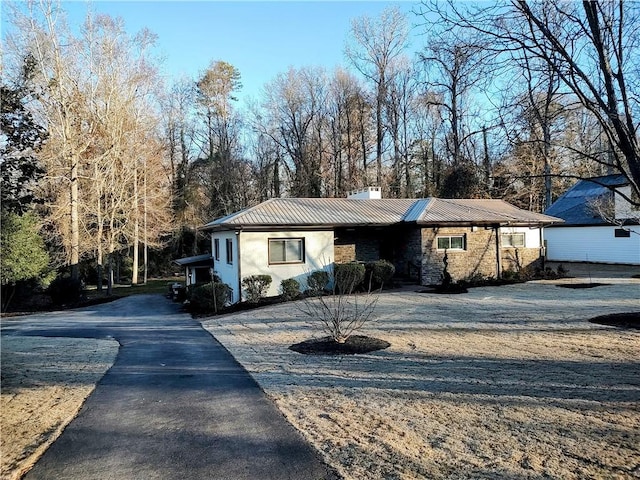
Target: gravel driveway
502 382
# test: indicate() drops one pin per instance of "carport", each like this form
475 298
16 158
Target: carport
197 269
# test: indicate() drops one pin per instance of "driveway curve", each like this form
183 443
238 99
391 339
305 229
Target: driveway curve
175 404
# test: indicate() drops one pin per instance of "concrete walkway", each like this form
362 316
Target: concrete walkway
174 405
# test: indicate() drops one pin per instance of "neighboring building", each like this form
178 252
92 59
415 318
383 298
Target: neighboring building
196 269
599 224
292 237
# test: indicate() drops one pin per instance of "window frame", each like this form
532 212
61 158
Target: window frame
216 249
229 246
510 236
450 237
299 260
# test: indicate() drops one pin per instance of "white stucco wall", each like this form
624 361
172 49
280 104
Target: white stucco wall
592 244
254 251
228 273
531 235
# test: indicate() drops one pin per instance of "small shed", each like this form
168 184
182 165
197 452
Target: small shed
197 268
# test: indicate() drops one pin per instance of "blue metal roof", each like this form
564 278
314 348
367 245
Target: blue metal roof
574 207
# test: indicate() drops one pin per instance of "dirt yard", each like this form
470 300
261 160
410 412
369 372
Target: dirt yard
44 383
502 382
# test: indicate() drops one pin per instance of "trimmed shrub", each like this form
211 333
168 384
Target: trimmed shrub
290 289
348 277
65 290
209 297
379 273
317 281
256 286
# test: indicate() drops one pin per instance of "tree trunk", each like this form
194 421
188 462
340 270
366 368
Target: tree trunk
136 229
75 223
109 273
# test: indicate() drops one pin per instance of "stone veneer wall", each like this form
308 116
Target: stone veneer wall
359 245
408 258
344 253
478 258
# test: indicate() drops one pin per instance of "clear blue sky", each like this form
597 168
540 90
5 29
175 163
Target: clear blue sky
261 39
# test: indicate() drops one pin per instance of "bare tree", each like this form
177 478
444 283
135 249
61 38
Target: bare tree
401 98
350 132
220 162
95 97
375 46
291 116
343 312
42 33
454 71
589 47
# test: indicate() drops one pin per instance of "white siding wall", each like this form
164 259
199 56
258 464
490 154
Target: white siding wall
592 244
228 273
254 250
531 235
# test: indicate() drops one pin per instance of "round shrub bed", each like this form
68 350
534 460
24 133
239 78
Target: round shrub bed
327 346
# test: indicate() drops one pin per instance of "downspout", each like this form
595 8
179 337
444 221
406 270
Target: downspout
543 248
498 255
237 232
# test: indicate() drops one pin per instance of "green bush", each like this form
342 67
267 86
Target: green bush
379 273
256 286
24 254
348 277
317 281
209 297
65 290
290 289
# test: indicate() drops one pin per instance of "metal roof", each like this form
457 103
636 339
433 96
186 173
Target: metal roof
335 212
439 211
574 206
318 212
198 260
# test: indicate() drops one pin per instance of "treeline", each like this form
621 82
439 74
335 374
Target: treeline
505 101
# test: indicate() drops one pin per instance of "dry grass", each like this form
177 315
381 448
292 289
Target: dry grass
508 382
44 383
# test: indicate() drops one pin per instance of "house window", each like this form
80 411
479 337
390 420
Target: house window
451 242
216 248
621 233
229 251
286 250
512 240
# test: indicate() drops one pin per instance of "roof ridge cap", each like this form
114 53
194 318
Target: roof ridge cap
487 210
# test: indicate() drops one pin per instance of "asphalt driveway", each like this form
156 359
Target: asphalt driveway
174 405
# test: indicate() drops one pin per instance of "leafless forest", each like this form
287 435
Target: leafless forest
102 160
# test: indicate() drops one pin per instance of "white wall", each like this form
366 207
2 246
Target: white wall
531 235
228 273
254 250
592 244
